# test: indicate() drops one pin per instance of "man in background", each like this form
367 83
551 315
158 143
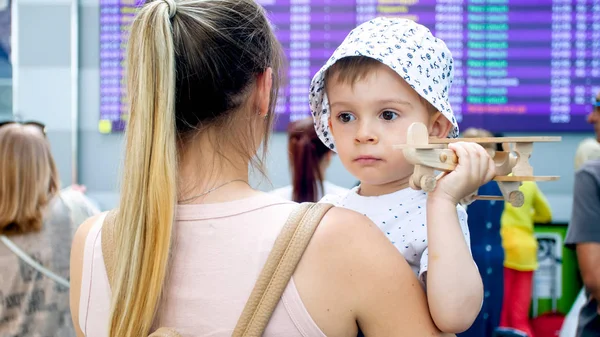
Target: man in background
584 234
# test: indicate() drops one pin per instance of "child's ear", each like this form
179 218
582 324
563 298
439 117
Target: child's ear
439 126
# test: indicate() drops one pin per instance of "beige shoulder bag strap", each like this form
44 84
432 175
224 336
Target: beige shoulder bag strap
278 269
273 279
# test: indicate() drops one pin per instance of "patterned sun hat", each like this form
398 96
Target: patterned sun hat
422 60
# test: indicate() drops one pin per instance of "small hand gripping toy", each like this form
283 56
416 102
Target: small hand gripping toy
428 154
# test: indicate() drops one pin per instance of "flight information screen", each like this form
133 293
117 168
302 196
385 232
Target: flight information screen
520 66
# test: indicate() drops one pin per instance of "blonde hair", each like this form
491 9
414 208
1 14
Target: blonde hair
191 65
28 178
588 149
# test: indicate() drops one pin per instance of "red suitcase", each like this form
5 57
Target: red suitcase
549 323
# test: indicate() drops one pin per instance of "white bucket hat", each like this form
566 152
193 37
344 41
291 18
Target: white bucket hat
422 60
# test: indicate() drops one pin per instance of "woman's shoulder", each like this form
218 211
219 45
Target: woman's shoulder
349 234
77 262
91 225
351 266
85 228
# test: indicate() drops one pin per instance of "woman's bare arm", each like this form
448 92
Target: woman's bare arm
76 269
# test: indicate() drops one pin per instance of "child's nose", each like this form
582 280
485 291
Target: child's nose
366 136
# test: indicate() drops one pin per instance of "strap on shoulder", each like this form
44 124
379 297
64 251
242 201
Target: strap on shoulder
279 268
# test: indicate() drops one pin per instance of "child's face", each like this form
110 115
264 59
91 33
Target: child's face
368 118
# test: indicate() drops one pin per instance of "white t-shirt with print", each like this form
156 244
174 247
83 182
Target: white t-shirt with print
402 217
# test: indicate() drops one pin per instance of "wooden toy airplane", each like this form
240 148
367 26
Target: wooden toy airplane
428 154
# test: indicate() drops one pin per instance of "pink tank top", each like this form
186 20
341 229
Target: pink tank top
218 252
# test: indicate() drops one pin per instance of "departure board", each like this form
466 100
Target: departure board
520 65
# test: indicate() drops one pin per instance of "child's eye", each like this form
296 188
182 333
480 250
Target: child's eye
346 117
389 115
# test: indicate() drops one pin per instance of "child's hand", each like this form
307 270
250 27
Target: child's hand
475 168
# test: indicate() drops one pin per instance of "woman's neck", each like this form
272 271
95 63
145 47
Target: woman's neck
208 177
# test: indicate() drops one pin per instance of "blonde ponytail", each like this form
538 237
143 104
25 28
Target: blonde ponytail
149 187
222 46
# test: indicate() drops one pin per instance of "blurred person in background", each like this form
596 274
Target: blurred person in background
309 159
486 247
583 233
521 261
40 220
587 149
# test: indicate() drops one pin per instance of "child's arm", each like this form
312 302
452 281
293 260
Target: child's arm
454 286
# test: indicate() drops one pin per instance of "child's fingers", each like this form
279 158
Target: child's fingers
461 153
484 162
478 157
482 165
491 173
487 165
468 157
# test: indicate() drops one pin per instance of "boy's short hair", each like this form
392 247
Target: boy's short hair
352 69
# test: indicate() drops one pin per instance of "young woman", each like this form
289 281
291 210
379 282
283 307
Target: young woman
191 235
40 220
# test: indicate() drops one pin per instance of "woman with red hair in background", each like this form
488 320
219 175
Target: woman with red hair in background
309 158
